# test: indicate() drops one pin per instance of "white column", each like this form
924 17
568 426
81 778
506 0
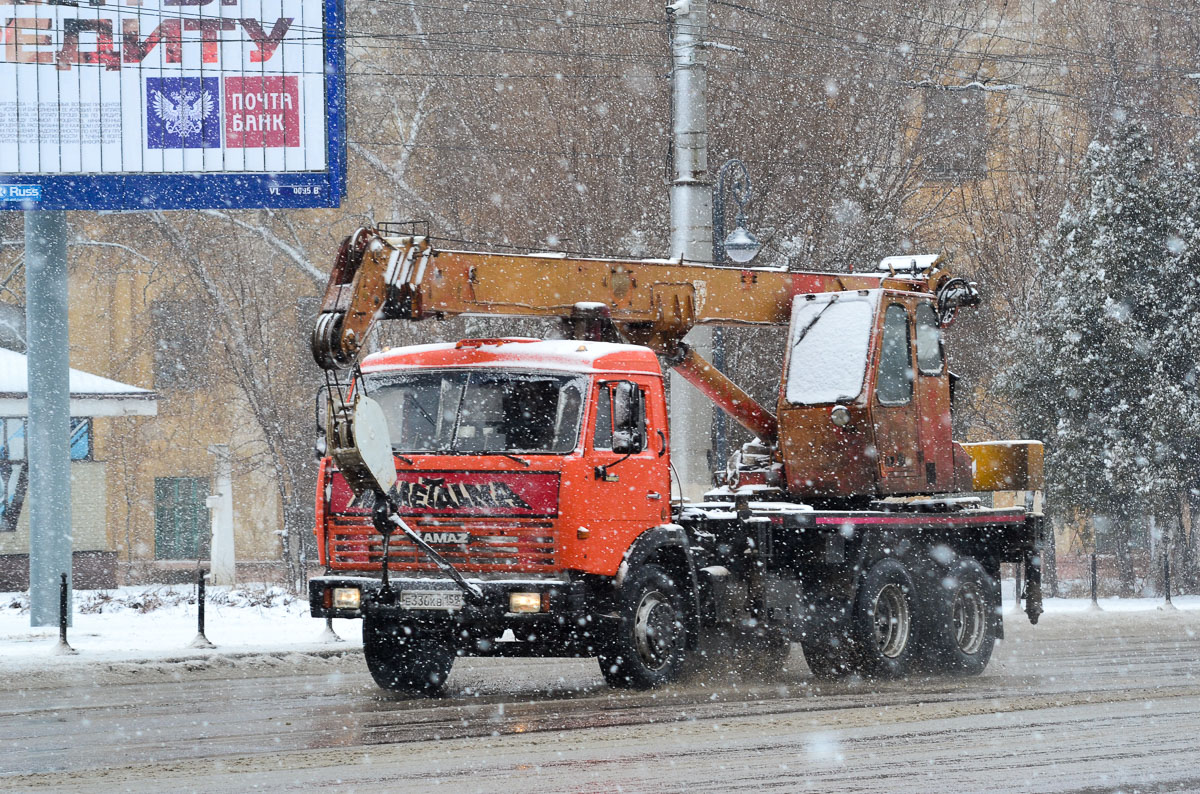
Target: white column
220 504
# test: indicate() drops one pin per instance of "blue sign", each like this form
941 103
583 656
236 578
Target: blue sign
20 192
161 104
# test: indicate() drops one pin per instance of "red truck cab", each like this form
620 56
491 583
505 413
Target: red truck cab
505 461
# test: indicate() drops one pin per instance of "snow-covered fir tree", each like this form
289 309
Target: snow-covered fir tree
1090 358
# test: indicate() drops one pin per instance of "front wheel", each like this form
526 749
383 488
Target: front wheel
649 646
882 623
403 658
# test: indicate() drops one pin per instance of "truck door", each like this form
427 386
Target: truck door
630 491
895 412
932 398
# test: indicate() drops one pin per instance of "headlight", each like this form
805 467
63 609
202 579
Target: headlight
524 602
346 597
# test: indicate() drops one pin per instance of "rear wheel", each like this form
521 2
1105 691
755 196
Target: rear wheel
958 630
404 658
649 646
882 623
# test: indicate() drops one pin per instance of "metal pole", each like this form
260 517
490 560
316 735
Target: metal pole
691 196
48 432
691 229
63 613
1095 603
741 192
201 641
1167 576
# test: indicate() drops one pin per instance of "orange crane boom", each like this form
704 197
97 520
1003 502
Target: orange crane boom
650 302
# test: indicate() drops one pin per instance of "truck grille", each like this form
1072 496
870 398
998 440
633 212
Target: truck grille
496 544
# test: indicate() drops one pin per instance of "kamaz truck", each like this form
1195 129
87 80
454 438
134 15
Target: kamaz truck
514 496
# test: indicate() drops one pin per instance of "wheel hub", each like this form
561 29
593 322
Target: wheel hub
970 619
892 620
654 629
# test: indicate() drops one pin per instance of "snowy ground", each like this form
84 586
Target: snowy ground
1085 702
155 623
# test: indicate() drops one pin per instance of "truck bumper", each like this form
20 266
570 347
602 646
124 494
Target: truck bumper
565 621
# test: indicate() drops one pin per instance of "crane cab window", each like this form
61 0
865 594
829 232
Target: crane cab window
894 384
929 341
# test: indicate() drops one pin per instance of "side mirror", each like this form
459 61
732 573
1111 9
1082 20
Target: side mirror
629 419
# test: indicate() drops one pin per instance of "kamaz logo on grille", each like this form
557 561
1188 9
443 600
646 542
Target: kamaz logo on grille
434 493
444 538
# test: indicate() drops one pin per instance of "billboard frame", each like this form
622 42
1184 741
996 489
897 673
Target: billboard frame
212 190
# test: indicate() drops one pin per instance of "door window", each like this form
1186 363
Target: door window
894 385
603 433
929 341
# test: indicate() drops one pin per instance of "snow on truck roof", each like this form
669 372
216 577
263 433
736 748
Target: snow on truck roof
567 355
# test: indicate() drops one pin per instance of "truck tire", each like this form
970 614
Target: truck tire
649 645
882 624
403 658
958 629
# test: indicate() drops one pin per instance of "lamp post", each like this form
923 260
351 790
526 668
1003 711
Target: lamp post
740 246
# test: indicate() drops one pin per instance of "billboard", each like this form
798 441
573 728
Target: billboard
171 104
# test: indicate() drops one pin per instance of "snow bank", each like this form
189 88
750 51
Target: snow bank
158 624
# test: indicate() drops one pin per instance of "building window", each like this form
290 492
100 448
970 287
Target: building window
181 523
181 330
14 473
953 136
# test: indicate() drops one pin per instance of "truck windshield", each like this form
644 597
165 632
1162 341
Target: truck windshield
480 411
830 339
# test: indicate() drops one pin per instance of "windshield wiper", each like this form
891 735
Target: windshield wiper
522 461
804 331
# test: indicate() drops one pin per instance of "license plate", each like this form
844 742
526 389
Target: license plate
431 599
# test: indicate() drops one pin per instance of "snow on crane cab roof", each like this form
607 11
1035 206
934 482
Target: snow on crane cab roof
568 355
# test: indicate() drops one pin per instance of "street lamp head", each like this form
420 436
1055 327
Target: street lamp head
741 246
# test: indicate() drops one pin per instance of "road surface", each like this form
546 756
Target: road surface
1083 702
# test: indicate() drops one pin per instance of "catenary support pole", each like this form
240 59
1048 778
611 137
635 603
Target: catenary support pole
691 229
47 436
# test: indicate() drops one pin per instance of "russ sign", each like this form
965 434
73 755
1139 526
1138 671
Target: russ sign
156 104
